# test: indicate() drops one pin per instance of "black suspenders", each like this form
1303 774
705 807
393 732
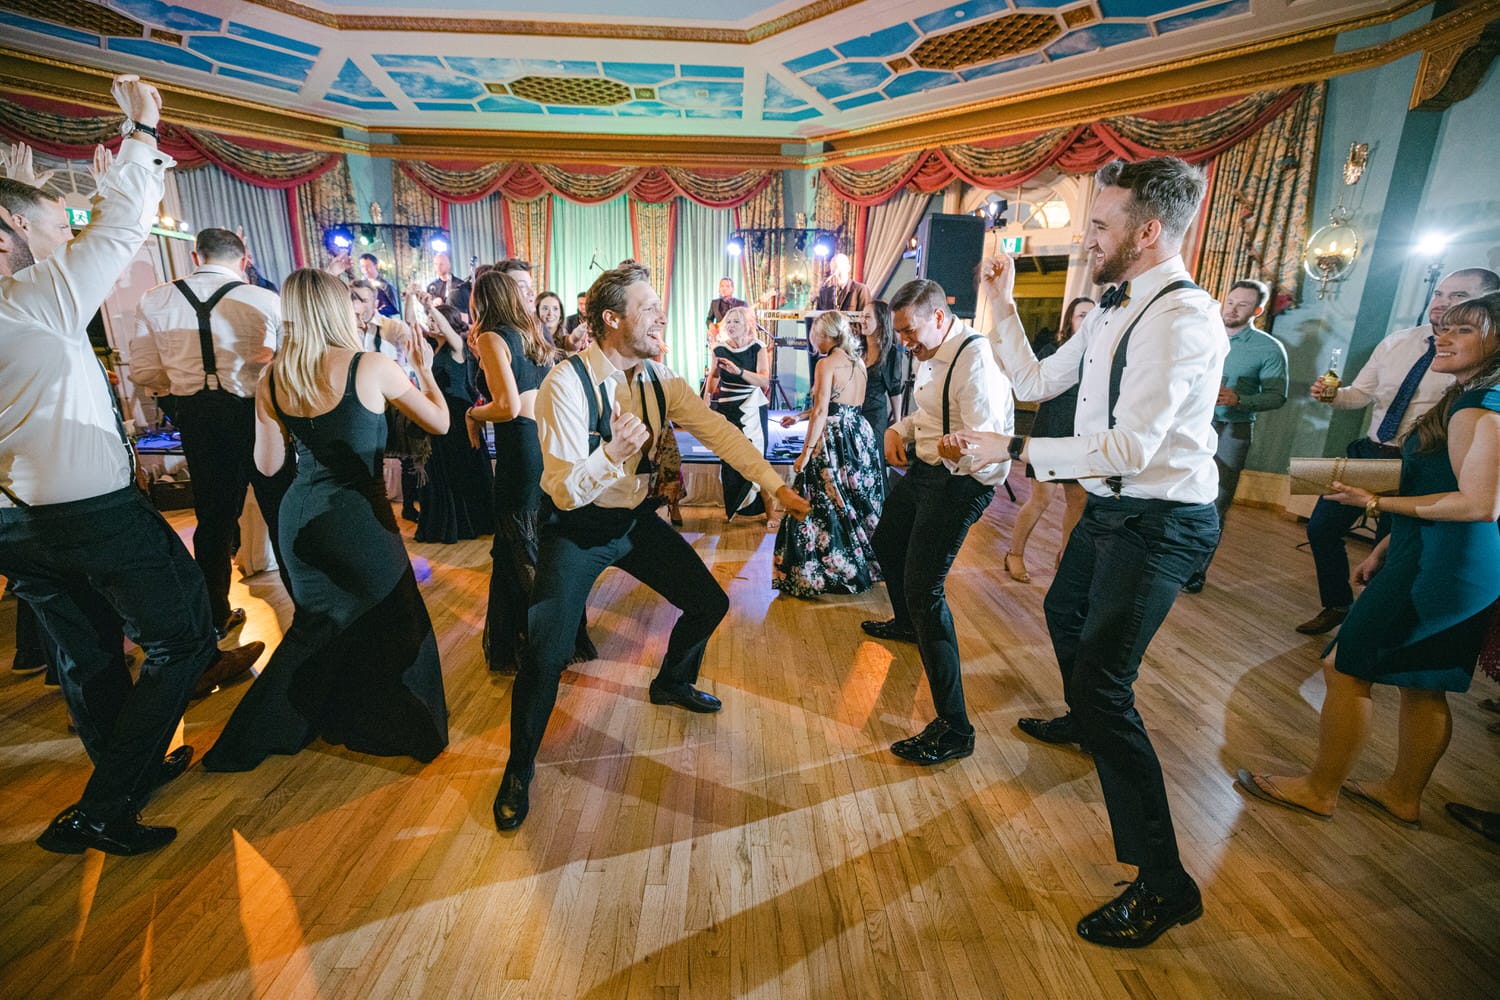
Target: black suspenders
205 331
599 420
948 382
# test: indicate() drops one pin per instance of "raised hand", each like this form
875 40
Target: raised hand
997 280
628 435
103 160
340 264
19 166
140 101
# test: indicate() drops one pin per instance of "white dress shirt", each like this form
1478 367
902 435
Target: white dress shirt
59 435
392 332
1380 379
1163 441
165 355
573 477
979 399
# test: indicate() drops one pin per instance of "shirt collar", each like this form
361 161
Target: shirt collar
1144 286
218 269
948 349
1245 333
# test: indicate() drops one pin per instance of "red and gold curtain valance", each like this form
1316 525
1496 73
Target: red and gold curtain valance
1195 132
587 183
72 133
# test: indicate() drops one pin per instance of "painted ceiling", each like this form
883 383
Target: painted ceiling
730 67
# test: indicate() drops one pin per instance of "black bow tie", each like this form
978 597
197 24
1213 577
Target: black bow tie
1115 295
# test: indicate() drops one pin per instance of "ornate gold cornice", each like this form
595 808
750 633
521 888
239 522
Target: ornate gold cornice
1453 71
579 147
559 29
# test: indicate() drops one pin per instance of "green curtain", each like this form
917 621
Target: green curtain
582 234
701 260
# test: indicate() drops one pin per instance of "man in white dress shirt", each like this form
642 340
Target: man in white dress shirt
931 508
597 470
1399 385
78 541
1147 364
203 340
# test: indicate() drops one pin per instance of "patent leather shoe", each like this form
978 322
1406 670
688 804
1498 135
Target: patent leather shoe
685 696
513 802
235 620
1061 730
935 744
173 766
74 831
1140 915
891 630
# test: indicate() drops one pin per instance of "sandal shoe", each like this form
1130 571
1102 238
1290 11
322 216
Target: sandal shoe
1268 793
1018 575
1356 791
1490 704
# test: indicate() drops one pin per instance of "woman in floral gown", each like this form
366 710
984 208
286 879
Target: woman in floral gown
840 471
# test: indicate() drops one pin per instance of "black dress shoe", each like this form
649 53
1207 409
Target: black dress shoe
1061 730
1194 584
584 649
686 696
1486 824
513 802
232 664
74 831
1139 916
409 513
892 630
935 744
235 620
173 766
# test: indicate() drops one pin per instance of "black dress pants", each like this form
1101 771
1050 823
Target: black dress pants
1124 565
648 549
85 567
925 520
218 440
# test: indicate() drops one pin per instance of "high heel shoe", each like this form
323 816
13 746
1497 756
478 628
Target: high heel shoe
1014 560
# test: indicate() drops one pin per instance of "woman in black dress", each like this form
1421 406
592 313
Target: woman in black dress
882 367
359 664
738 379
514 358
455 502
1054 418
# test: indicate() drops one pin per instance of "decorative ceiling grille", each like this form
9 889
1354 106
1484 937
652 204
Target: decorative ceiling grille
93 18
987 42
581 91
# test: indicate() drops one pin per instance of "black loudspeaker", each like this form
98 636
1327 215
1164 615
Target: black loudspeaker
949 248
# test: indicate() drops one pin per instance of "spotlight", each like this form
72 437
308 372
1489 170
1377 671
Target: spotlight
338 240
1432 245
438 242
366 236
414 238
912 243
822 247
735 246
183 227
167 222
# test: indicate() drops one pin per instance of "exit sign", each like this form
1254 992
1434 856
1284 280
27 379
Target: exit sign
78 217
1013 244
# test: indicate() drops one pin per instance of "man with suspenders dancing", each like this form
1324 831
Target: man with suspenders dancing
203 340
599 417
931 508
1147 363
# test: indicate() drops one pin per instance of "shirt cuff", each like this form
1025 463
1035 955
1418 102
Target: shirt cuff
1059 458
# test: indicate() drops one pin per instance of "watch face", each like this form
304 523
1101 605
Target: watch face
126 127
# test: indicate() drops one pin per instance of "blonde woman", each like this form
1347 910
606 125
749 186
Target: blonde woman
840 471
359 665
737 380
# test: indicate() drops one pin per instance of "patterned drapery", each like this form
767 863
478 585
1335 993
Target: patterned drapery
653 235
74 136
412 206
528 234
1260 197
316 205
835 213
1195 132
763 267
588 183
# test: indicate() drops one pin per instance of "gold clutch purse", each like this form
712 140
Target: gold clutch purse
1317 475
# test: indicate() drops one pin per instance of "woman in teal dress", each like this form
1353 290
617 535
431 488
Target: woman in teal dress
1432 585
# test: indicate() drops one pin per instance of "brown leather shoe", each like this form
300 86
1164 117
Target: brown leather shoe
1325 621
231 665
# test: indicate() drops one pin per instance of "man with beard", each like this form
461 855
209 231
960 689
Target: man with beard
1147 364
78 541
597 471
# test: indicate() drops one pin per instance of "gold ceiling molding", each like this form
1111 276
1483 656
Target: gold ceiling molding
559 29
1452 72
1300 57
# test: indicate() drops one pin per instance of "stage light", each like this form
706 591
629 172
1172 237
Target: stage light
338 240
822 246
414 238
167 222
183 227
912 243
438 243
735 246
1432 245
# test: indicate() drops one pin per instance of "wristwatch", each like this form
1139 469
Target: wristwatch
129 127
1016 444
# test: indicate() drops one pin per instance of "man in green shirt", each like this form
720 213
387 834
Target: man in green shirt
1255 379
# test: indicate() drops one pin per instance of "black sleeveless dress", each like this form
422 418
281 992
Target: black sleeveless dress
359 664
743 405
455 502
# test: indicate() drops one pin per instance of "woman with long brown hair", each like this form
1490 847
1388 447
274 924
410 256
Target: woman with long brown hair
1432 586
359 664
514 357
1054 418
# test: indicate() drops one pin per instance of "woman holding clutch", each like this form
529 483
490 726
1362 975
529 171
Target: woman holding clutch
1433 583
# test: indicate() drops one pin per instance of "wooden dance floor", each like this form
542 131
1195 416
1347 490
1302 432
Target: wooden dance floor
776 849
